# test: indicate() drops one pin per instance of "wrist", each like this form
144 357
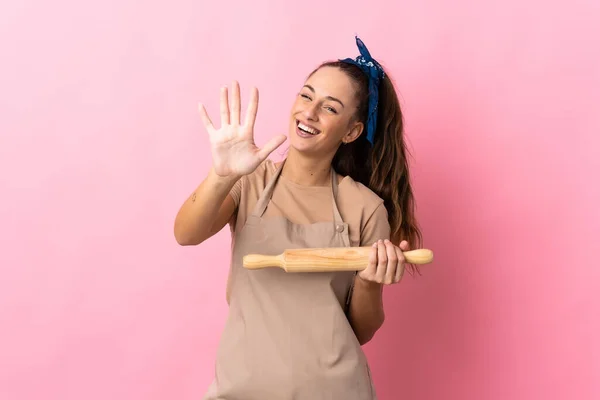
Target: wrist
366 285
224 182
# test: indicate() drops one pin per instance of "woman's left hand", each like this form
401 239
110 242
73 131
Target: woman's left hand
386 263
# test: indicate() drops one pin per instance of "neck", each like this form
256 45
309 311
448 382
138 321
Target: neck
307 171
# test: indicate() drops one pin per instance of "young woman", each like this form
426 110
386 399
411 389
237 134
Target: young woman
344 182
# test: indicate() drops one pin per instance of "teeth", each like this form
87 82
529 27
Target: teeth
307 129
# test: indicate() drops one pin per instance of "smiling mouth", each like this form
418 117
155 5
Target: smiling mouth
307 129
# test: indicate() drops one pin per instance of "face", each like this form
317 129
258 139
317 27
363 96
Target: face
323 115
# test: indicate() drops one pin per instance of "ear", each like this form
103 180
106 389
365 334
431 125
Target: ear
353 133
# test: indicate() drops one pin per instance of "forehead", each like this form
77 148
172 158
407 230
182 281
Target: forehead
331 81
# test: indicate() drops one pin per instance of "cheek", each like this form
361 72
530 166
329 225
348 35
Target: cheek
336 126
297 106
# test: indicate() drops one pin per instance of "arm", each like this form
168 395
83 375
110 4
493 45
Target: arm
235 155
366 309
366 313
206 211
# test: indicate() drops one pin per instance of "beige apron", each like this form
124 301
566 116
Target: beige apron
287 336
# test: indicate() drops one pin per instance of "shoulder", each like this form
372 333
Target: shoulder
255 182
247 190
365 212
261 174
360 195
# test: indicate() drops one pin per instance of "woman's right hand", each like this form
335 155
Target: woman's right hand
233 149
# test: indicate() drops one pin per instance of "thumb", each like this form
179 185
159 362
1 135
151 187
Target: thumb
270 146
404 245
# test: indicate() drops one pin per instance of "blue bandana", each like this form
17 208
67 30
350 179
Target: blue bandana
375 73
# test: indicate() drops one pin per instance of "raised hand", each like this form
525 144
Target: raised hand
233 149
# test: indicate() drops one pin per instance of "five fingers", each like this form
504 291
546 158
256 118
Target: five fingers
231 116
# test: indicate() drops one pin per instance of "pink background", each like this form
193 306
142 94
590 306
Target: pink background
100 142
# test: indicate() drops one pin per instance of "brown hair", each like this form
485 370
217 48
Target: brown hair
382 167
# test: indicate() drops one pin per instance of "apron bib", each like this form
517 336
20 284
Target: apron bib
287 336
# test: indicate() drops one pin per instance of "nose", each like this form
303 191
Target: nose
310 112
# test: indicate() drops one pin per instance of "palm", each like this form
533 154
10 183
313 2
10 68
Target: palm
232 145
234 151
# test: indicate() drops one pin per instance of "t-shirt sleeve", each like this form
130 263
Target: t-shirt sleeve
376 227
236 192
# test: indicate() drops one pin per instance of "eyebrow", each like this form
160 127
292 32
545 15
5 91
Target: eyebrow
327 97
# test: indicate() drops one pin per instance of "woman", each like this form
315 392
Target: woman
344 182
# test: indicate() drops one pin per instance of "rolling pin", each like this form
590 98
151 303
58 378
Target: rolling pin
327 259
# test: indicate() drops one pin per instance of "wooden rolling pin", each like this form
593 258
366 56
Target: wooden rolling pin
327 259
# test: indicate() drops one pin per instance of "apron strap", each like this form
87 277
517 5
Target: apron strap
337 217
265 196
341 229
339 225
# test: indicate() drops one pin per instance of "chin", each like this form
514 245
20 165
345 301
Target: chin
297 145
301 145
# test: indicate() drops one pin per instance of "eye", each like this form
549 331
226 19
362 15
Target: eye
331 109
304 96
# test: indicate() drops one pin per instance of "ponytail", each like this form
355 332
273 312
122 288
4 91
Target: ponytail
382 167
